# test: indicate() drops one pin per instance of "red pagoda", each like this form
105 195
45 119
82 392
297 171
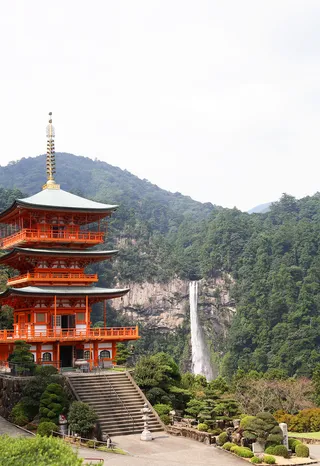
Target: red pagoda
48 237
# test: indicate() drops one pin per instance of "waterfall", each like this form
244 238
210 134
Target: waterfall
200 356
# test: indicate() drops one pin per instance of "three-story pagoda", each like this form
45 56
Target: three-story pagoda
48 238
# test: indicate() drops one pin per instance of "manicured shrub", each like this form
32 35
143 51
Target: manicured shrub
256 460
281 450
269 459
274 439
82 418
203 427
243 452
223 438
53 402
232 449
228 445
302 451
165 418
18 414
162 408
293 442
270 450
45 428
215 431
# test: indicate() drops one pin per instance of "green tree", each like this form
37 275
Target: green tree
82 418
21 358
52 403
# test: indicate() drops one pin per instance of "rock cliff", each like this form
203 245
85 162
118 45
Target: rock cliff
163 309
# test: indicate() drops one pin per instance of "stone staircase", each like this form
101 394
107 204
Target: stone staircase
116 399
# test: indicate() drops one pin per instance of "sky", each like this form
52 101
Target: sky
216 99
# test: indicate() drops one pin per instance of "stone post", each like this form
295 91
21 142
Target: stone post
146 434
283 426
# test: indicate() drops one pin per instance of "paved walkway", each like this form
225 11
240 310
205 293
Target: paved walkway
164 450
9 429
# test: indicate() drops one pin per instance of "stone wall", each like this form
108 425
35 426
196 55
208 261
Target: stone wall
194 434
11 391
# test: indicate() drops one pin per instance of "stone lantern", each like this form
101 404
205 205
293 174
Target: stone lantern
146 434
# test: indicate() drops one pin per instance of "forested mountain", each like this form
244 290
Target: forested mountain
274 257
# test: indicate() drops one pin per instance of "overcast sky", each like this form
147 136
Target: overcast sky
216 99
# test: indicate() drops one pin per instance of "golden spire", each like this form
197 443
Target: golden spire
51 158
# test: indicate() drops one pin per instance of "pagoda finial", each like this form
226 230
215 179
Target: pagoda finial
51 158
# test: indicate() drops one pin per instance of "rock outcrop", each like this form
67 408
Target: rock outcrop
165 307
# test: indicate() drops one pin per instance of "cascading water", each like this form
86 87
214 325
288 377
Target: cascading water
200 355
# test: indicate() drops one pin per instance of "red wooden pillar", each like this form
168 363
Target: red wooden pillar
95 354
114 351
38 352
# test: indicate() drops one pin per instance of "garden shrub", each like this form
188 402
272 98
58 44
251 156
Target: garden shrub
228 445
274 439
162 408
18 414
270 450
281 450
91 443
293 442
243 452
53 402
165 418
81 417
269 459
215 431
307 420
45 428
203 427
302 451
39 451
256 460
246 421
223 438
232 449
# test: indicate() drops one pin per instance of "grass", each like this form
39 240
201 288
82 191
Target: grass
311 435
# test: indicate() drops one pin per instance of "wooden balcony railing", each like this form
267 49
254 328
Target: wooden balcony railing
71 334
64 236
54 277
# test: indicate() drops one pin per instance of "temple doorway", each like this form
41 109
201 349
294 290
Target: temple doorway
66 356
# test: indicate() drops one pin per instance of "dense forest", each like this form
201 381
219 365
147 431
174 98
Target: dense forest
273 257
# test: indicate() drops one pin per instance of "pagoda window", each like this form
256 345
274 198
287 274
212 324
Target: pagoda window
40 317
46 357
105 354
81 317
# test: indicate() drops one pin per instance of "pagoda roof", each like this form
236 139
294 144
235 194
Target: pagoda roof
57 252
94 291
58 199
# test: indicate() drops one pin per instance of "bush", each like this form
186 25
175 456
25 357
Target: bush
293 442
162 408
274 439
223 438
165 418
256 460
40 451
45 428
281 450
203 427
53 402
302 451
232 449
228 445
243 452
269 459
91 443
215 431
18 414
82 418
270 450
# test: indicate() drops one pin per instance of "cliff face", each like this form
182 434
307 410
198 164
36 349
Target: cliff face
164 309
